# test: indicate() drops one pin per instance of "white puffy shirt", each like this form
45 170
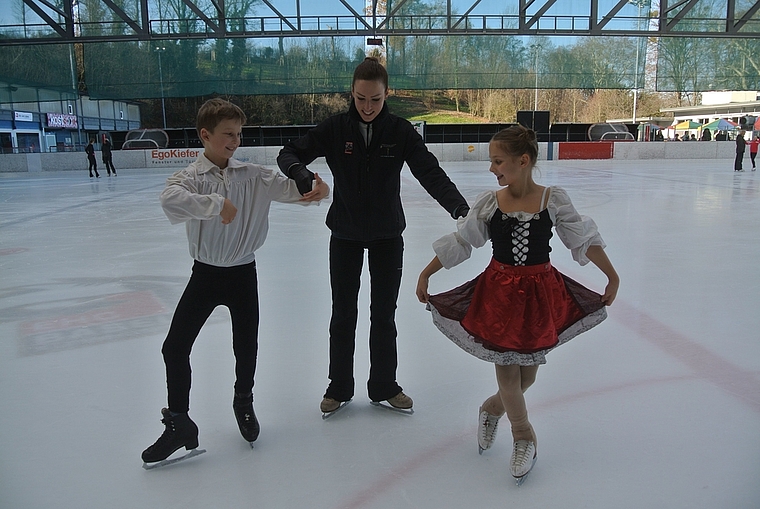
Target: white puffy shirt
577 232
195 196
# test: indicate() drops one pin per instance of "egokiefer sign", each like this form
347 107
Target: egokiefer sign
173 156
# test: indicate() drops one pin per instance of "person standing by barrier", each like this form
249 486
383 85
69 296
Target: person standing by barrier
90 151
107 157
740 143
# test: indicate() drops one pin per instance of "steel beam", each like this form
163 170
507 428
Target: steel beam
59 25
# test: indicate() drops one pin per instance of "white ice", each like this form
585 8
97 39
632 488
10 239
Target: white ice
658 407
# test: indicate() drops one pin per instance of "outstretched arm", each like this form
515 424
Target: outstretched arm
320 190
599 258
422 282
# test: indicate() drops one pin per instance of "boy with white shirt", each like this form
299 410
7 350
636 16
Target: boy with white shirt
208 196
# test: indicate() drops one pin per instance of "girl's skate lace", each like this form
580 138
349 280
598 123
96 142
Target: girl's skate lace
487 426
523 457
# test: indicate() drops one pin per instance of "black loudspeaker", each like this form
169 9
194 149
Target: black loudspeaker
536 120
525 119
541 122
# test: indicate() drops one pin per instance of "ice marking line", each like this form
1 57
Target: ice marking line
705 364
736 381
386 483
77 206
13 250
397 476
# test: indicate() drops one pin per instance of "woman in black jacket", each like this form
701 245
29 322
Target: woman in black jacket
365 149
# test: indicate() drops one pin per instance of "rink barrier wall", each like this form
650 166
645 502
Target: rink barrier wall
586 150
445 152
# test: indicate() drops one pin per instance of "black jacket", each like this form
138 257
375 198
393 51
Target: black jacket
740 143
367 180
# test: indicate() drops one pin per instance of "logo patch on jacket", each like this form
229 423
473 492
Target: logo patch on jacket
387 150
349 148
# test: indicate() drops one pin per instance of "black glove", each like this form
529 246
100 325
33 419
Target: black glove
303 177
461 211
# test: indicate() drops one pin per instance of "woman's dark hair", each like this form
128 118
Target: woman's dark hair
371 70
518 140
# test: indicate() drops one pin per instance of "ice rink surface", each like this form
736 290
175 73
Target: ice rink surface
658 407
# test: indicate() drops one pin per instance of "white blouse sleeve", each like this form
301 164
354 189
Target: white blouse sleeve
472 231
281 188
577 232
182 202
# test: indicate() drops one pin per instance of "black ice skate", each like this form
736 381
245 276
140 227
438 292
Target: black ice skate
246 418
180 432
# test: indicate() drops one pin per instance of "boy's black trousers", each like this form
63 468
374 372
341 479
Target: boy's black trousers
209 287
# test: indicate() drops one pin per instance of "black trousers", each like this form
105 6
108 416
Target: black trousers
385 263
738 161
108 162
209 287
93 165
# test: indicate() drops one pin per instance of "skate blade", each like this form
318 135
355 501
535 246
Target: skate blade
520 480
343 404
404 411
163 463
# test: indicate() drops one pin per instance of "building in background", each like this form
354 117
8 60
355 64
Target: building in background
742 108
35 119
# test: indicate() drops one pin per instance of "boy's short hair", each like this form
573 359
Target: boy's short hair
214 111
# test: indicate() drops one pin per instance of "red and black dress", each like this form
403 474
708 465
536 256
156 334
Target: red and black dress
520 307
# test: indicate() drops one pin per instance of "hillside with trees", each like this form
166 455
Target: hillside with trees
434 107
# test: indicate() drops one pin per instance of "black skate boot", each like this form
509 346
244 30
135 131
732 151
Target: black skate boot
180 432
246 418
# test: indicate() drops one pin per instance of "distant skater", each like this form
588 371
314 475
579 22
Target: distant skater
224 204
753 150
90 151
108 158
520 307
740 143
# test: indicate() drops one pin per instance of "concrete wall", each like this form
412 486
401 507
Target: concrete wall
178 158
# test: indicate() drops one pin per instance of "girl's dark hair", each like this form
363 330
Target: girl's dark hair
214 111
371 70
518 140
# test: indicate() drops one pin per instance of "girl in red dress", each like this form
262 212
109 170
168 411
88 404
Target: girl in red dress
520 307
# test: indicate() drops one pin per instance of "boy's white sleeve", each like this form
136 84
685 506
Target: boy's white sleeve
472 231
577 232
281 188
182 202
